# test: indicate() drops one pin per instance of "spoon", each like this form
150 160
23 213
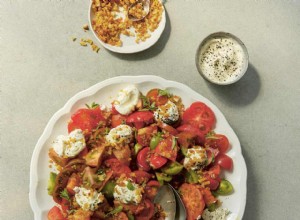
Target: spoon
144 9
171 203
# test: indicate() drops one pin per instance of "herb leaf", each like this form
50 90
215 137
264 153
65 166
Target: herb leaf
65 195
147 105
115 211
130 186
93 105
165 92
173 143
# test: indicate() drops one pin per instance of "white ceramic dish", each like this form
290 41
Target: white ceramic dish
104 92
129 44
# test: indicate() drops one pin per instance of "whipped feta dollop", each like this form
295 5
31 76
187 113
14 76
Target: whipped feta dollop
88 199
128 192
167 113
71 145
195 158
218 214
127 99
121 134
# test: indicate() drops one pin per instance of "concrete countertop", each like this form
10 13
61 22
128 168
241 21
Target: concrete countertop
41 68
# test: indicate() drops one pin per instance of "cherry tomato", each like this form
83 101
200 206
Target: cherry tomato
142 159
218 141
86 119
189 128
140 176
167 148
117 167
192 199
148 211
200 116
140 119
224 161
117 120
55 214
157 161
154 96
145 134
167 128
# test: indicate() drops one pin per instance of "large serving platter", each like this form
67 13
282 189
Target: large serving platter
104 93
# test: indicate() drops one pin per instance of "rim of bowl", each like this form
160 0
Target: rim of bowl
228 35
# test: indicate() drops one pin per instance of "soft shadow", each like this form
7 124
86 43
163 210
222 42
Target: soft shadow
251 210
152 51
242 92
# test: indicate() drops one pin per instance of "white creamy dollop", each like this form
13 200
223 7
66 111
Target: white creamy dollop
218 214
168 113
88 199
195 158
127 99
120 134
71 145
128 192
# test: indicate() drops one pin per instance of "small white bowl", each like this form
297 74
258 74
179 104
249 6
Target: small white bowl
222 58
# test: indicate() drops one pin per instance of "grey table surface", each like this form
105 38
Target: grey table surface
41 68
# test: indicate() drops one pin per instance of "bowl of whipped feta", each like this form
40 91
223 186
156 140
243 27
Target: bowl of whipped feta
222 58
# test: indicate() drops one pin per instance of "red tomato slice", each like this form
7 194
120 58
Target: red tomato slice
117 167
140 176
167 148
55 214
140 119
224 161
155 97
157 161
86 119
218 141
148 211
189 128
142 157
167 128
144 135
200 116
117 120
192 200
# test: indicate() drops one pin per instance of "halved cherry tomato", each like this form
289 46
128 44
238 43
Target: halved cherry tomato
117 120
154 96
157 161
224 161
140 176
151 189
142 157
192 199
148 211
145 134
167 148
167 128
55 214
140 119
218 141
117 167
200 116
189 128
85 119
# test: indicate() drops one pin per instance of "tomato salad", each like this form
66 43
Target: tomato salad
113 160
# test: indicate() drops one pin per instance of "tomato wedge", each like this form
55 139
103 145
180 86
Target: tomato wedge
217 141
148 211
167 128
157 161
140 119
224 161
195 131
145 134
167 148
55 214
142 157
117 120
200 116
140 176
192 199
85 119
154 96
117 167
